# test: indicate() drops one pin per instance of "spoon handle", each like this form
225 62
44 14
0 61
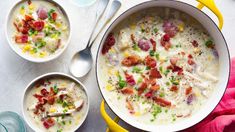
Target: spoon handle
116 4
97 19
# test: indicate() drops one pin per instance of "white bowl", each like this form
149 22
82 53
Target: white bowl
49 75
18 50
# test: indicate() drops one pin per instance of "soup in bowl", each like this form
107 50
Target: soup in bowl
55 102
38 30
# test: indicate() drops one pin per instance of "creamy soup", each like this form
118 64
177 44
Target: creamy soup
39 28
159 66
56 105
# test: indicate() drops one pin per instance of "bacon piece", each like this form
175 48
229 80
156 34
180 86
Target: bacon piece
130 79
188 90
142 87
150 61
127 90
49 123
149 94
109 42
194 43
154 73
38 25
191 62
44 92
174 88
154 88
165 41
51 100
54 16
129 106
133 39
173 60
131 60
153 44
28 18
162 102
21 39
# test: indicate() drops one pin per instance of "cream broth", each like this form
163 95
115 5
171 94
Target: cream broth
39 28
56 105
159 66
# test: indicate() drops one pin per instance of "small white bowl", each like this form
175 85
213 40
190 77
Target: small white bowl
49 75
18 51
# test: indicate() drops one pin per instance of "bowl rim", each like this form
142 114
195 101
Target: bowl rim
25 56
59 74
137 6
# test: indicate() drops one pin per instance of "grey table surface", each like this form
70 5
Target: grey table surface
16 73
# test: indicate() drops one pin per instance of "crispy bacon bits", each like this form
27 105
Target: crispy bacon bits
131 60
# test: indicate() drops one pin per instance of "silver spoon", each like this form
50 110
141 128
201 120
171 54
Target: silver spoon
82 61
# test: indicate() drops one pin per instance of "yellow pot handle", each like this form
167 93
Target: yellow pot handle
210 4
112 124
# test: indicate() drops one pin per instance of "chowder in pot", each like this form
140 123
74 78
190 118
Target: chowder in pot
159 66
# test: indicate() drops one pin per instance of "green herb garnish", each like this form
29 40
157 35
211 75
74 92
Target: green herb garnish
136 69
166 72
162 95
155 30
147 68
151 53
209 44
55 89
122 83
157 56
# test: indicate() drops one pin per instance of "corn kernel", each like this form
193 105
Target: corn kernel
181 27
162 59
210 58
133 26
142 26
126 54
42 54
31 6
196 50
22 11
27 48
109 87
117 73
137 113
58 24
110 71
52 110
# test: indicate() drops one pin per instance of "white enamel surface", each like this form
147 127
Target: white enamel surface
223 77
16 72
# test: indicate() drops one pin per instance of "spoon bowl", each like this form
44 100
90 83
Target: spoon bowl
81 63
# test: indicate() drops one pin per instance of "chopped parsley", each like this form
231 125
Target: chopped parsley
136 47
151 53
155 30
162 94
147 68
209 44
174 81
122 83
55 89
166 72
157 56
156 110
136 69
